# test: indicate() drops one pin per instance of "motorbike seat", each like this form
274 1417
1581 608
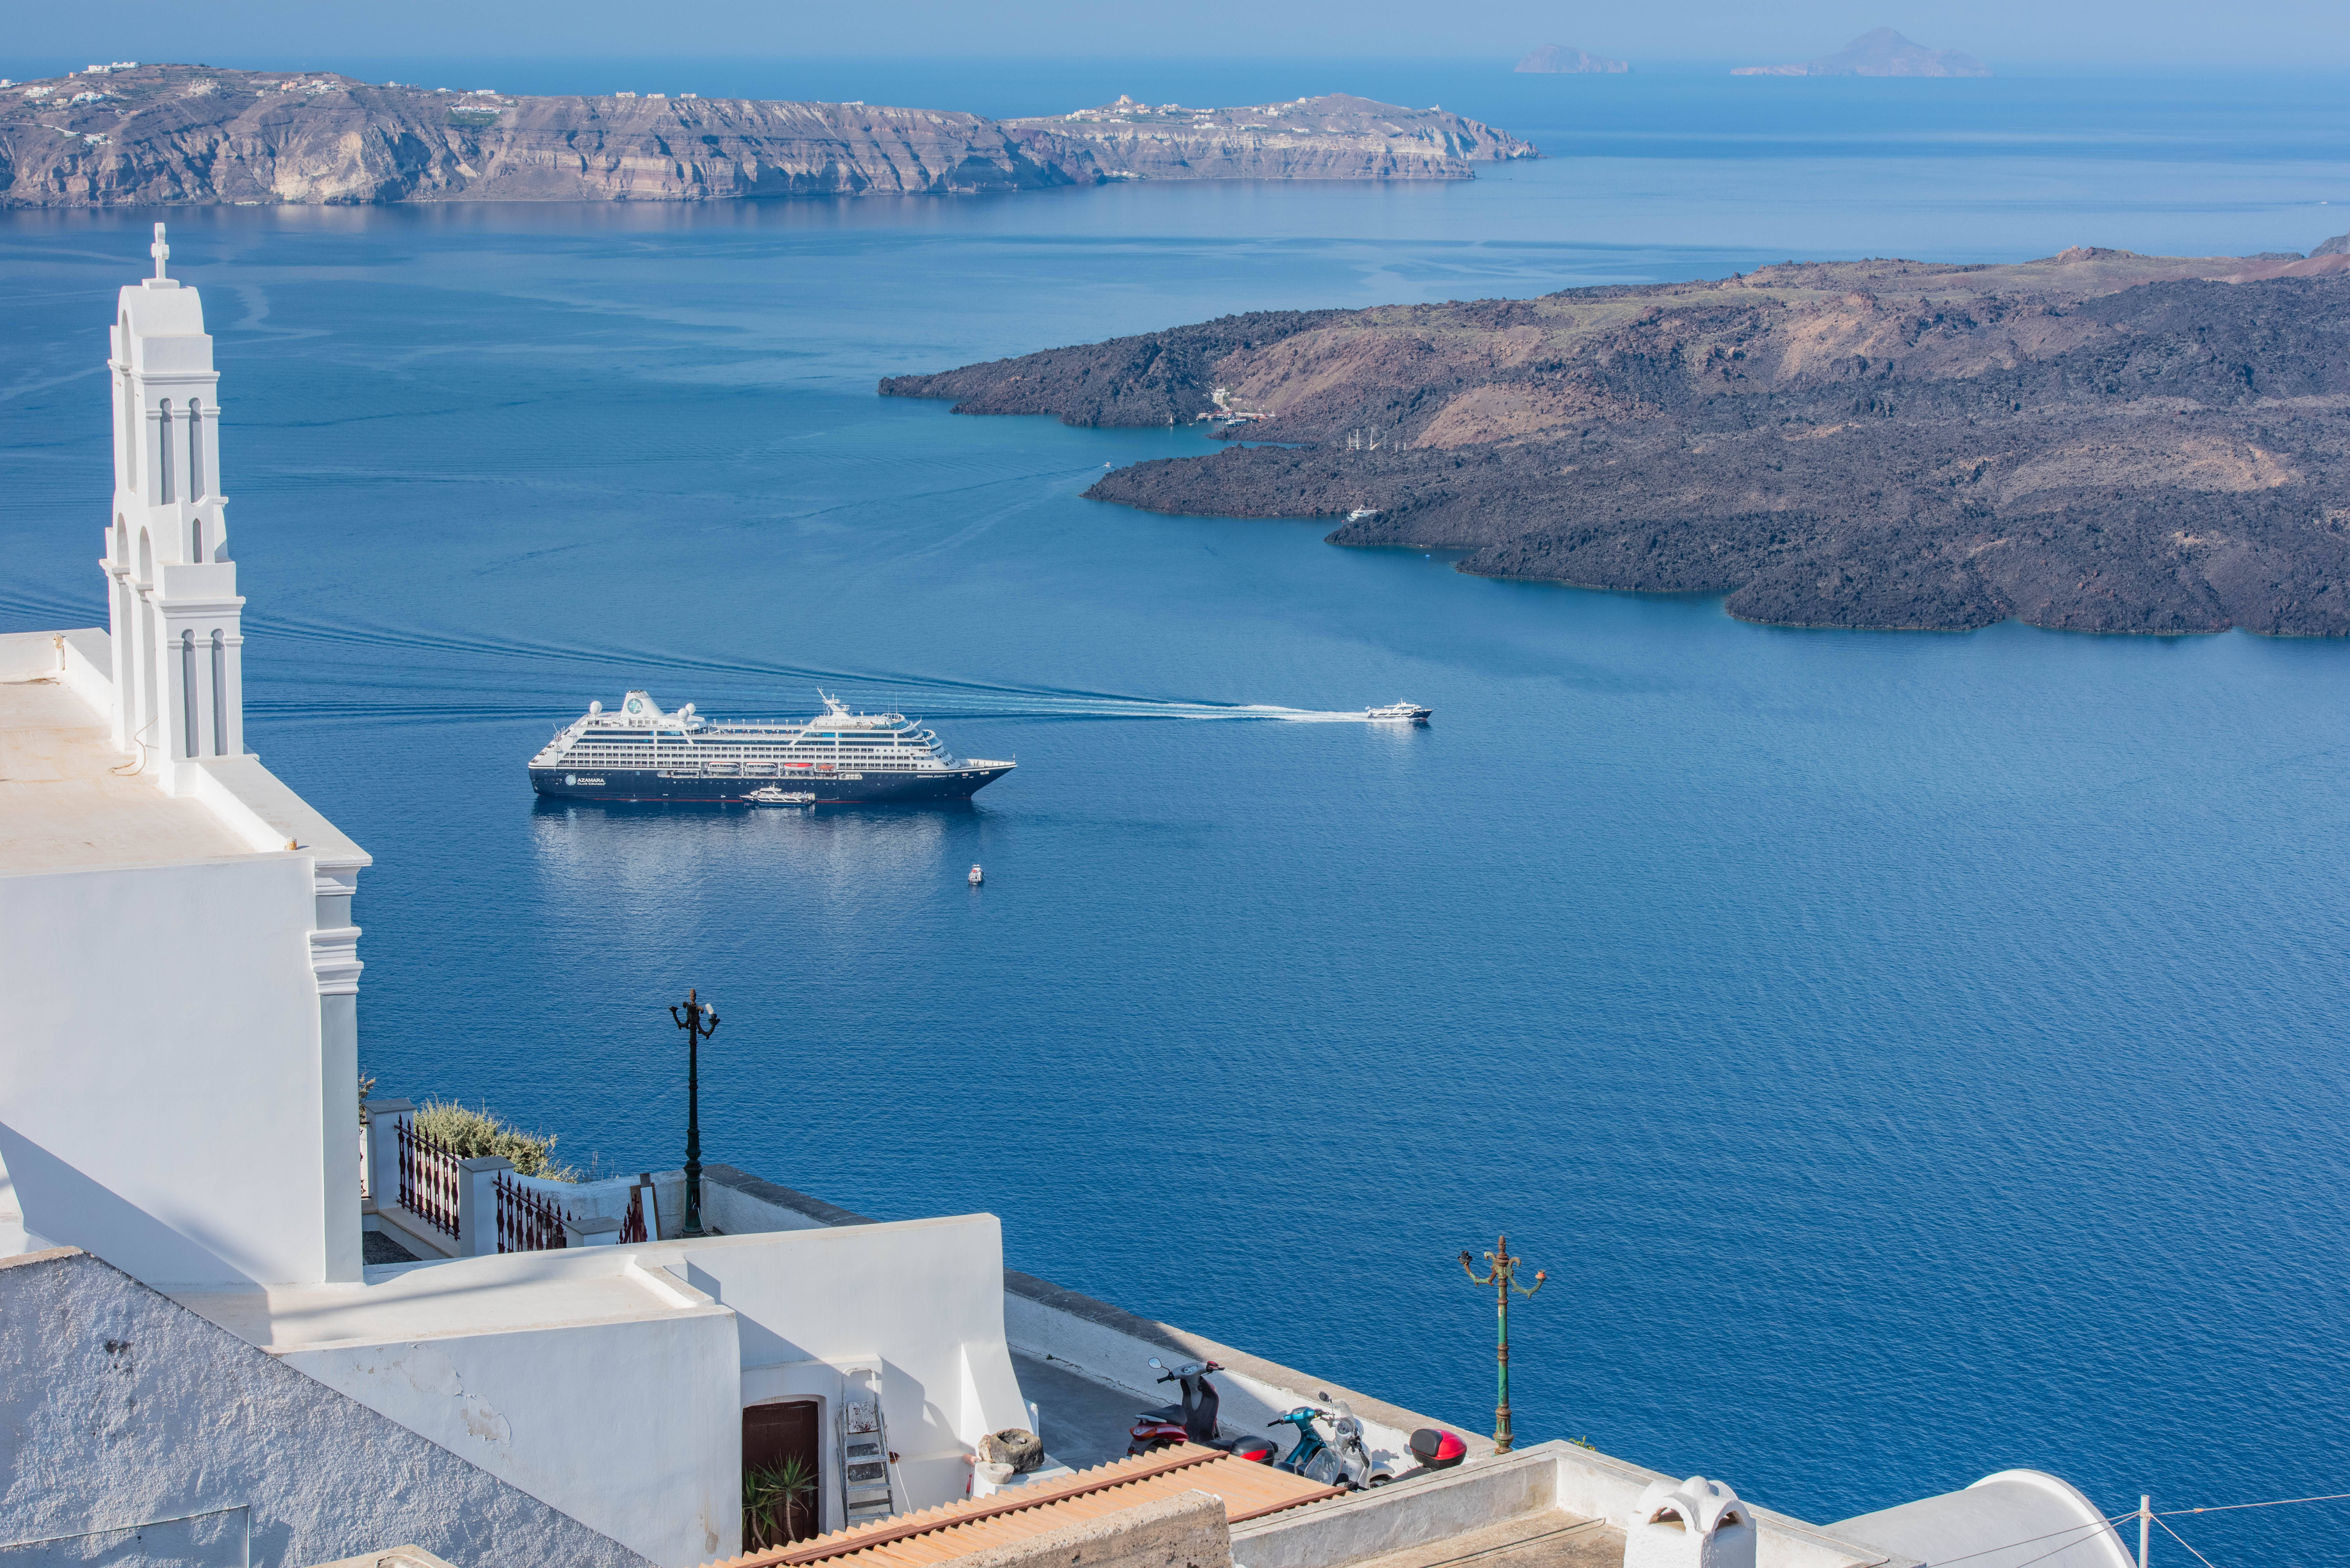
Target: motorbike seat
1163 1413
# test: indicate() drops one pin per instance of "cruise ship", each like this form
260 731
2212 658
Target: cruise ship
643 753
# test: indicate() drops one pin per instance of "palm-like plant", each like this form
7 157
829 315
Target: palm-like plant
775 1499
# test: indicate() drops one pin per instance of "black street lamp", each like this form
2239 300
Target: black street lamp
700 1023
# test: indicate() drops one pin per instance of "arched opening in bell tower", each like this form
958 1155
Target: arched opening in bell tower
188 686
146 556
195 450
163 456
220 693
128 398
196 540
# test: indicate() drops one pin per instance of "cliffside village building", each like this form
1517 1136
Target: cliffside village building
199 1366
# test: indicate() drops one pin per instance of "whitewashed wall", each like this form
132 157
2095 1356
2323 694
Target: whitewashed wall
923 1299
163 1072
118 1405
633 1427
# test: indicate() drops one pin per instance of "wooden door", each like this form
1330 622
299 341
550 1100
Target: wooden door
773 1437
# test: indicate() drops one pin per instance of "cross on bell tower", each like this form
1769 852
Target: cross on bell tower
162 253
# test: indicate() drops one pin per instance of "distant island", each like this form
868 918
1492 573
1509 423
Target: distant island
2096 442
1334 137
1560 59
180 135
1881 52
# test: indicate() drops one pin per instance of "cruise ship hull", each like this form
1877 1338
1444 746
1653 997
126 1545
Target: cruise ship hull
645 784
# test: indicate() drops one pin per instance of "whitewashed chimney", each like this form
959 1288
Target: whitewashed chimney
1693 1523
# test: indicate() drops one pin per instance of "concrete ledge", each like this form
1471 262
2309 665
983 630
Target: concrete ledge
410 1231
756 1192
389 1557
1403 1514
45 1255
253 802
1187 1531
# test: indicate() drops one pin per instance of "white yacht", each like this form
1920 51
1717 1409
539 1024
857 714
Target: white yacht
1400 713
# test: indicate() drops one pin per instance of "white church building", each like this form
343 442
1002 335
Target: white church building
190 1336
179 1091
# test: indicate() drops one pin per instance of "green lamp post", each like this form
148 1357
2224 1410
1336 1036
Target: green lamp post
1502 1274
700 1023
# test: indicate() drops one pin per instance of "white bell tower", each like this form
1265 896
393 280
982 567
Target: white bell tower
172 604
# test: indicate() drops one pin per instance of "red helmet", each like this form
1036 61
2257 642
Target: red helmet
1437 1449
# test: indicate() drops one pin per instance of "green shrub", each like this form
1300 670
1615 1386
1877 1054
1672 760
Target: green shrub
475 1133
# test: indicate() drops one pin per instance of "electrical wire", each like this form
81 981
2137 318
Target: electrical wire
2232 1507
2028 1541
2182 1541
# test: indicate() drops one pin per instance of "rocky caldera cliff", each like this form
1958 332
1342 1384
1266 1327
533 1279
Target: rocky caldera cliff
1561 59
1334 137
1881 52
178 134
2099 442
181 134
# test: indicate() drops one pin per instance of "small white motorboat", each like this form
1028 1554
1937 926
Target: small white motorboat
775 795
975 877
1400 713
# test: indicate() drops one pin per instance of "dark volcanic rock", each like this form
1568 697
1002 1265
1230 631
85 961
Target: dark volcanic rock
1155 379
2098 442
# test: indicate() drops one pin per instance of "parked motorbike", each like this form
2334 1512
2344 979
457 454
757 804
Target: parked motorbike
1341 1460
1193 1419
1436 1450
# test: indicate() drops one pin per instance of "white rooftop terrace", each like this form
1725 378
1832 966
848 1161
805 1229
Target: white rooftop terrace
68 802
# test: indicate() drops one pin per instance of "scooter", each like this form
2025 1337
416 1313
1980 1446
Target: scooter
1342 1460
1194 1420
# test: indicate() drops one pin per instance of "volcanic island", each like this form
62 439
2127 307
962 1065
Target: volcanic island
2096 442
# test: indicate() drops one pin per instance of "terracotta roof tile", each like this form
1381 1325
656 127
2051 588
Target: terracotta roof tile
953 1530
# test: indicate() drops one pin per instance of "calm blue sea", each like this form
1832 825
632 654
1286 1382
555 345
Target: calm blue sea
1910 1055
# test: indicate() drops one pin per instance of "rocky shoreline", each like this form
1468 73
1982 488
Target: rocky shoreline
182 135
2096 442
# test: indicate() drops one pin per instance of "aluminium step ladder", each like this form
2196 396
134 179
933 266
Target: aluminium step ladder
868 1487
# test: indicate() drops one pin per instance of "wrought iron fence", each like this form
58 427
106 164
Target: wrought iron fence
632 1225
427 1178
527 1222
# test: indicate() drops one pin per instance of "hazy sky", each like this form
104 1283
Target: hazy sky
2288 34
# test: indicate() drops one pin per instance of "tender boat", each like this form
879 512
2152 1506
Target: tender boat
776 796
1400 713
